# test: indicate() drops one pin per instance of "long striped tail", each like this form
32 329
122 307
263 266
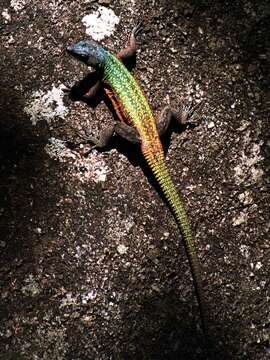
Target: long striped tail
160 171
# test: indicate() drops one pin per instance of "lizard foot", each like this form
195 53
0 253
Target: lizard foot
138 28
187 111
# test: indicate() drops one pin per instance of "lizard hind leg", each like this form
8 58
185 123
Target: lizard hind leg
164 119
127 132
104 138
169 114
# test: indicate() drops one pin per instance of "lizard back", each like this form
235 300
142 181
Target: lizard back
132 99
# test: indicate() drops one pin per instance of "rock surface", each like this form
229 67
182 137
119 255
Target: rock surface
92 263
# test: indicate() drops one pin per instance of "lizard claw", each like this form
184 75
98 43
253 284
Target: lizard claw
66 88
189 110
138 28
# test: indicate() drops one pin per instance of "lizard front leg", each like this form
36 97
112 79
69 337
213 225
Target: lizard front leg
87 89
88 93
128 54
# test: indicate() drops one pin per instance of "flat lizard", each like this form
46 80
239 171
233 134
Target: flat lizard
138 125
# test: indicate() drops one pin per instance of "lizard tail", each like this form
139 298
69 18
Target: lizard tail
160 171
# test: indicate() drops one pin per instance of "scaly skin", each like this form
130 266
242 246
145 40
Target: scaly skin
138 114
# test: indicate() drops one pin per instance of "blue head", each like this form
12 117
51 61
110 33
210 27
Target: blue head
89 52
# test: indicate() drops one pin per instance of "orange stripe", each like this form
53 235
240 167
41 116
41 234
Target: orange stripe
116 105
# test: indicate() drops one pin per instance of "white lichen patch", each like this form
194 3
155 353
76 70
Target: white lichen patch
211 125
245 251
18 5
258 265
89 296
6 16
68 300
46 105
56 148
246 198
31 287
92 168
248 166
241 218
101 23
119 227
122 249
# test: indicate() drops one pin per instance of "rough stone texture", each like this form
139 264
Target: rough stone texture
92 263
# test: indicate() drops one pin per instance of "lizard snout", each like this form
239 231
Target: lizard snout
70 49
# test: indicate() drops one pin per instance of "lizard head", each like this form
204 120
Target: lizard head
89 52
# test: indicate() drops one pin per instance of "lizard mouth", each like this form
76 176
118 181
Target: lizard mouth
69 49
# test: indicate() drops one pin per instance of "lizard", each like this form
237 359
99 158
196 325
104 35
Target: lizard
137 124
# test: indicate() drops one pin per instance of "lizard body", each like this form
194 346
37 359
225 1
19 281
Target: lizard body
140 126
